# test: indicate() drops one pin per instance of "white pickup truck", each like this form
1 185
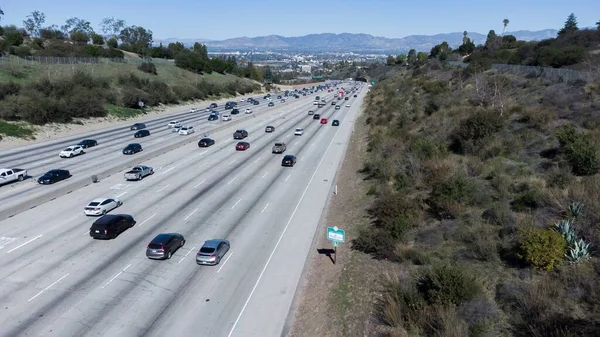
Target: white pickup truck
10 175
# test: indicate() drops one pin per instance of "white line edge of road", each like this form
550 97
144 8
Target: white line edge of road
48 287
186 255
263 210
200 183
224 263
232 207
143 222
24 243
122 194
162 188
114 277
262 272
189 215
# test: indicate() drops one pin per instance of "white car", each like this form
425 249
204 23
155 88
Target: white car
186 130
299 132
248 110
173 124
71 151
193 110
101 206
226 117
347 105
243 100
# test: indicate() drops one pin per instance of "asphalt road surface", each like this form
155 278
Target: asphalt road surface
57 281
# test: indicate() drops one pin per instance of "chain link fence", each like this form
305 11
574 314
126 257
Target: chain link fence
549 73
28 60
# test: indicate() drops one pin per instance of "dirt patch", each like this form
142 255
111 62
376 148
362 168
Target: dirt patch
337 300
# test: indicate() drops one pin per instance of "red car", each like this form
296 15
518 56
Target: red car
323 120
242 146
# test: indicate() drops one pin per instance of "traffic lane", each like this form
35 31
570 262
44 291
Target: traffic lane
267 306
227 202
22 189
251 248
134 317
96 272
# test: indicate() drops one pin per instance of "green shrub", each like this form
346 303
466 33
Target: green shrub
426 148
581 155
372 190
374 241
435 87
529 200
13 130
541 248
148 67
459 190
474 131
449 285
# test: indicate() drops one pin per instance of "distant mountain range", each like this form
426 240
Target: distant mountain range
346 42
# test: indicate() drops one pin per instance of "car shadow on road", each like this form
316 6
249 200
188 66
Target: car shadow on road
327 252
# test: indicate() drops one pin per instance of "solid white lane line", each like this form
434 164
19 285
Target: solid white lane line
200 183
260 276
114 277
189 215
232 207
24 243
188 253
202 165
86 233
256 161
163 172
120 195
152 216
162 188
301 159
264 175
48 287
267 205
233 161
232 180
288 177
224 263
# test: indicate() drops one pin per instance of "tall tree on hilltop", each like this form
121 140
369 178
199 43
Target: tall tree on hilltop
492 41
465 38
570 25
597 23
411 58
1 14
34 23
505 22
137 38
111 27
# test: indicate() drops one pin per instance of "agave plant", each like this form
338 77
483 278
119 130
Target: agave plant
566 229
580 250
575 208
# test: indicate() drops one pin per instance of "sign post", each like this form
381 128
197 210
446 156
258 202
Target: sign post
336 236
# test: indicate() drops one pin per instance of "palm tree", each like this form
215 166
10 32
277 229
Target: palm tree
505 21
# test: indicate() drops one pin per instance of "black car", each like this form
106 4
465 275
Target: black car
240 134
346 98
316 116
213 117
355 96
141 133
271 104
288 160
235 111
132 148
206 142
213 105
333 103
138 126
87 143
335 123
164 245
53 176
255 103
111 225
269 128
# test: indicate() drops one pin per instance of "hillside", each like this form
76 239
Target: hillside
475 211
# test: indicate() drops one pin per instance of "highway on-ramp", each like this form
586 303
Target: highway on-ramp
57 281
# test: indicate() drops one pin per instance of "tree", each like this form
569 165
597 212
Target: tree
137 38
597 23
505 22
401 59
34 23
390 60
465 37
412 57
112 27
77 25
79 37
422 58
492 42
570 25
1 14
440 51
97 39
467 47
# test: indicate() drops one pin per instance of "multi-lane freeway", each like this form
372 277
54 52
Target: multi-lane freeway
58 281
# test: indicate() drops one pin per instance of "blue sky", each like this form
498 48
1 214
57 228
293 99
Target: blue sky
234 18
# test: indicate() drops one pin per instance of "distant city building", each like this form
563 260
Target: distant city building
305 68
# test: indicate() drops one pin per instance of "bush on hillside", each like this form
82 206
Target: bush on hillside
148 67
541 248
475 131
449 285
581 155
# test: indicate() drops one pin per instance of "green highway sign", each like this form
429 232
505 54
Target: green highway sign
336 235
372 82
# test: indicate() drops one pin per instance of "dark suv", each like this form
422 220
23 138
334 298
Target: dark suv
240 134
132 148
111 225
164 245
138 126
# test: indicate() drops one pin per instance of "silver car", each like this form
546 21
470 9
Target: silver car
212 252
